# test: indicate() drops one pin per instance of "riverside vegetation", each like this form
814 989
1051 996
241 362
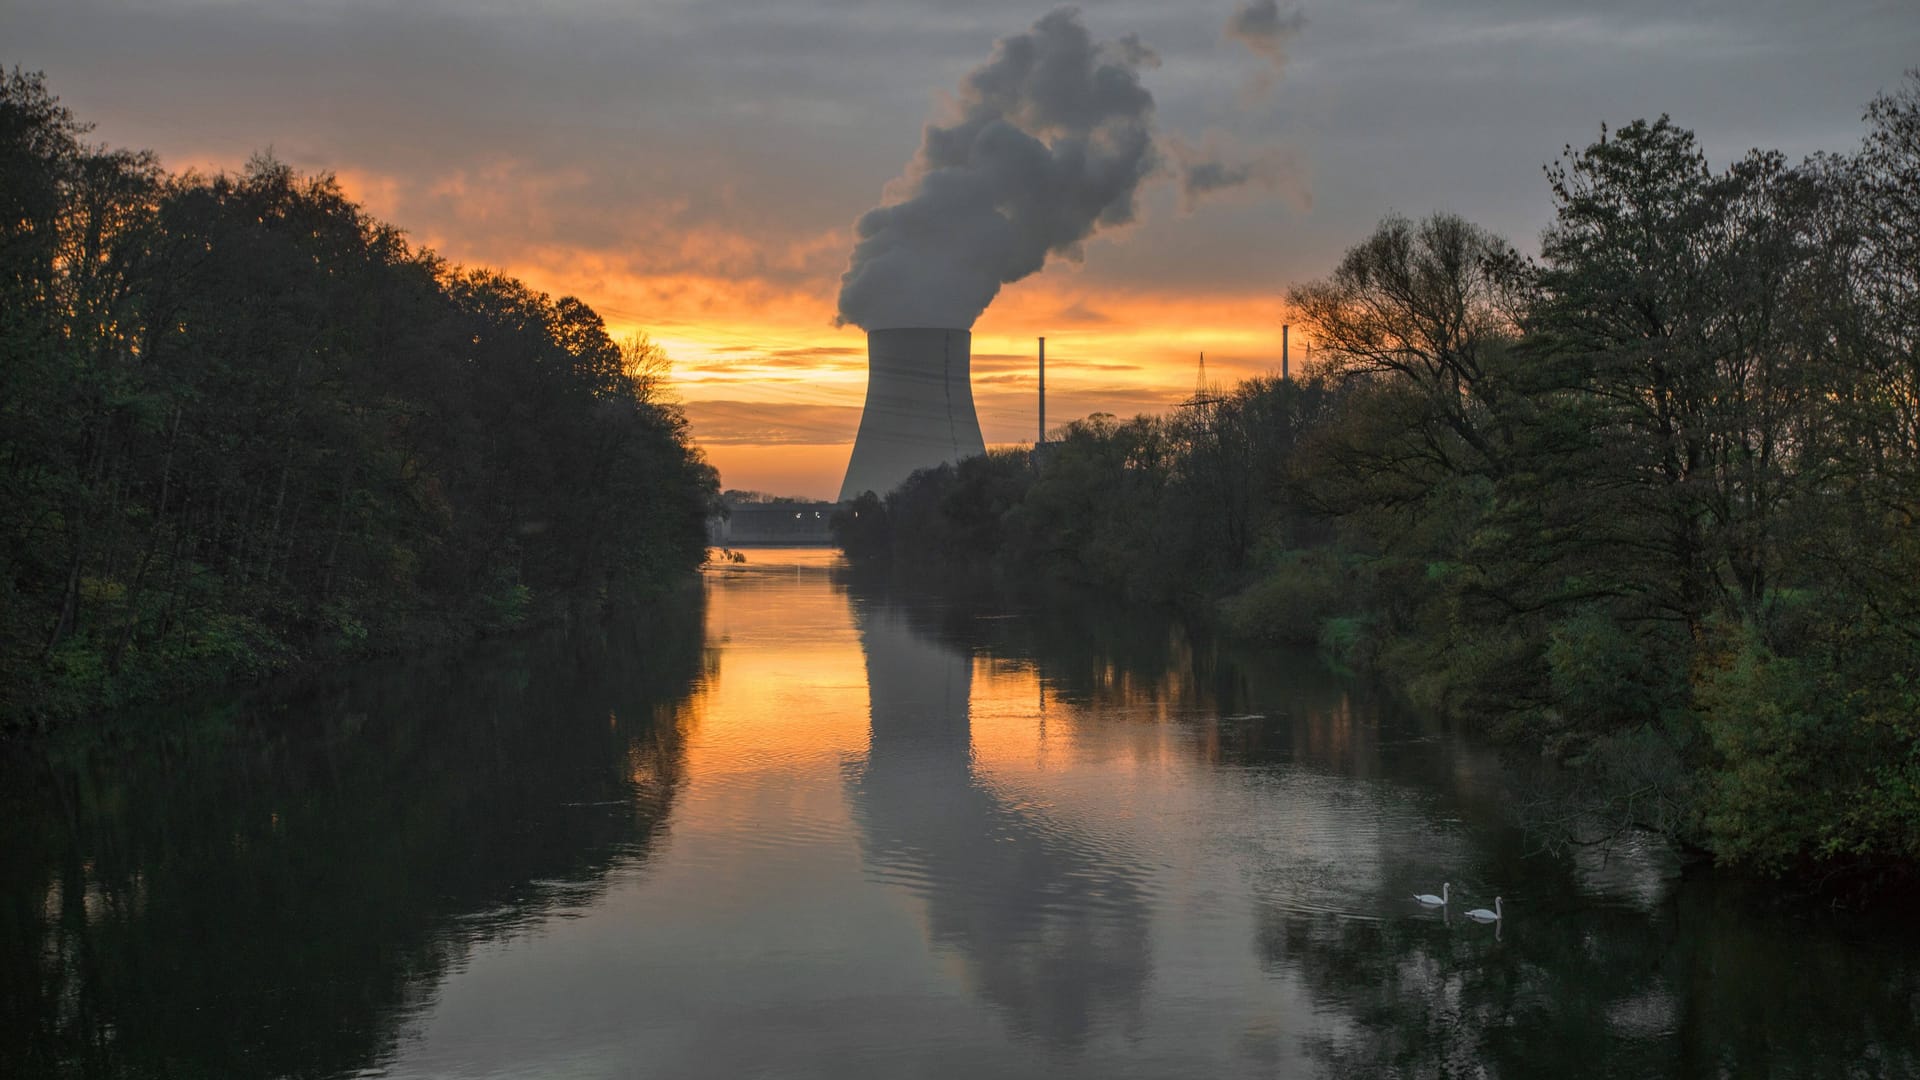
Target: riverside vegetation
244 427
1645 503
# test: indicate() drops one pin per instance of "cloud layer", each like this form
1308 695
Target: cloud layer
1260 26
691 166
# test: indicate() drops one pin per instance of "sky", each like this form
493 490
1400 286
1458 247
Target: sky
694 169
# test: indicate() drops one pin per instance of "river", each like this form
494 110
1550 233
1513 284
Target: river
802 825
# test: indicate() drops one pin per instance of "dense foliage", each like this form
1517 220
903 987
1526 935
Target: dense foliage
244 426
1647 502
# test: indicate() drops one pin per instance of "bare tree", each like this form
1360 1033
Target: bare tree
1433 305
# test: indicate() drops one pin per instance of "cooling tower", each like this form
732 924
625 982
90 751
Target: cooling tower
919 409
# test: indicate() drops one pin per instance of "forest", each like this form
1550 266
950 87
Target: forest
245 428
1643 504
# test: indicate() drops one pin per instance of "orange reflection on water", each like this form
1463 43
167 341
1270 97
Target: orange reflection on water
1127 718
788 683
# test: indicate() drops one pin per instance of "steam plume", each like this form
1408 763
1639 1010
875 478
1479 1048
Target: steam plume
1050 141
1220 163
1259 26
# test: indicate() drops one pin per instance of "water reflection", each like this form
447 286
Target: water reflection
1333 806
273 889
1053 928
1702 987
1103 664
897 835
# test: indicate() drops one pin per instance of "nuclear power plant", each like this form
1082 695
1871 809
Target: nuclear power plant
919 411
1043 146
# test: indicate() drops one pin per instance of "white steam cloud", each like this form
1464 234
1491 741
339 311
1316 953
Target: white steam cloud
1051 141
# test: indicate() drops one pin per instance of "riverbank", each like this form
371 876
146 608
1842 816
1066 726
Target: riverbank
1592 794
106 705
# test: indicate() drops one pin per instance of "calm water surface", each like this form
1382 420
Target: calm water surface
802 826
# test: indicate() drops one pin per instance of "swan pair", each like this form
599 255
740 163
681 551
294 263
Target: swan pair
1446 897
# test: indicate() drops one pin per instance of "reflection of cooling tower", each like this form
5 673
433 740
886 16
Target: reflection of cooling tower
919 408
1049 920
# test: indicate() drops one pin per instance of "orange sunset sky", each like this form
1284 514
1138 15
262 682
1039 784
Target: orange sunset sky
693 170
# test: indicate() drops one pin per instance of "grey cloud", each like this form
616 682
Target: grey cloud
759 423
1259 25
773 119
1200 177
1220 163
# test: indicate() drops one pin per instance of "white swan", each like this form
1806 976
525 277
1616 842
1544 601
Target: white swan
1437 901
1481 914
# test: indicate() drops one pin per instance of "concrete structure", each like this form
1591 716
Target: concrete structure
787 523
919 410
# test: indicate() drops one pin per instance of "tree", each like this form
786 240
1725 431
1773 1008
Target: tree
1432 307
1872 288
1670 315
246 425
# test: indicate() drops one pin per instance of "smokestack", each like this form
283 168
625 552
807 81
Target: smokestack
919 411
1043 393
1283 352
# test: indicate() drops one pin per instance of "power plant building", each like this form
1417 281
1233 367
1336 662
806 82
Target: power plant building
919 411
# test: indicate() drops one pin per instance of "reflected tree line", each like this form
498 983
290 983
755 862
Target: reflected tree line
245 427
276 888
1644 504
1690 979
1697 987
1099 656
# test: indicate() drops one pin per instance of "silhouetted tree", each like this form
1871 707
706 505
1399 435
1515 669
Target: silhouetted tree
247 427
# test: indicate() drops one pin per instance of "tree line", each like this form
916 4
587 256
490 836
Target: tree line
245 427
1645 502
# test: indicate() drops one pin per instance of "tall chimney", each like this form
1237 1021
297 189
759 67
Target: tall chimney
1283 352
1043 393
919 411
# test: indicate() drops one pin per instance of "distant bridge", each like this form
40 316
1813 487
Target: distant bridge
802 524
